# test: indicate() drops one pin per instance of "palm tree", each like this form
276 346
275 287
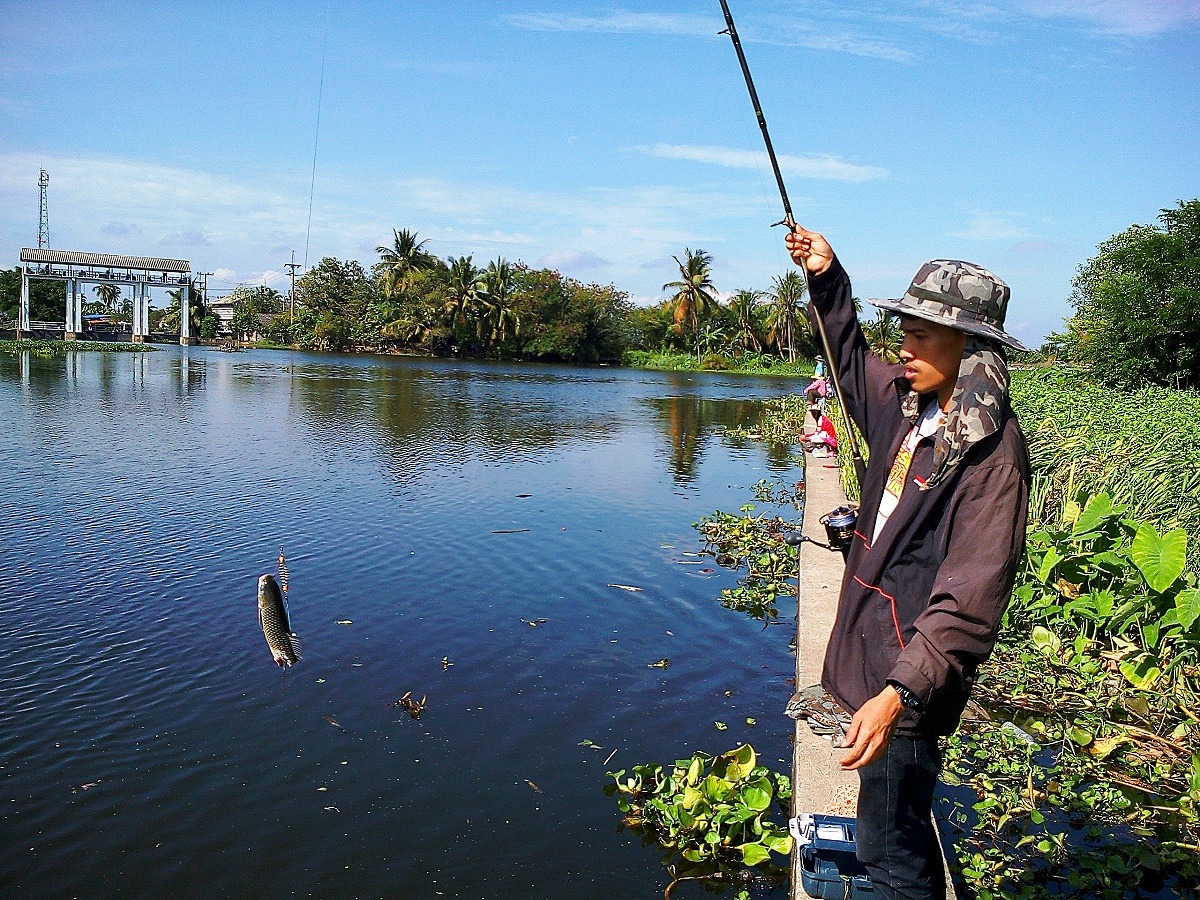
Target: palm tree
108 294
884 336
501 319
171 317
744 306
694 295
784 319
466 290
398 262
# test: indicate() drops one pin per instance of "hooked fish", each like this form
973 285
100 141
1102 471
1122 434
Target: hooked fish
276 626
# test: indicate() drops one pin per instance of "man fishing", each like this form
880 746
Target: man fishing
941 529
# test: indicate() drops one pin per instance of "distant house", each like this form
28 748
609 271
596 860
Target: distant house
222 308
102 322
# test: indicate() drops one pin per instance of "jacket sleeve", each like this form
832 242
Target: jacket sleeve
867 382
973 585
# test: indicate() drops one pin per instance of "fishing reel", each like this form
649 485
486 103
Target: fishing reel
839 527
839 530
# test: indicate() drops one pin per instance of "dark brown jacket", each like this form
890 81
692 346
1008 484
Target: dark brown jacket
922 605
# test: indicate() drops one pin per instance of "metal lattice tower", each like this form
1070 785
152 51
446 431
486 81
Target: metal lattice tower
43 211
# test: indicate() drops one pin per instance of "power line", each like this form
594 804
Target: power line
317 134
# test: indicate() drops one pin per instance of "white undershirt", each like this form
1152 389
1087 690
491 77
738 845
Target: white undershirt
928 425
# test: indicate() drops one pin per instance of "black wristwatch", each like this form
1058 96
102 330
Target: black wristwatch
907 697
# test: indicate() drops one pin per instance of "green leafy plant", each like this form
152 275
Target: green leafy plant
755 542
709 814
1106 577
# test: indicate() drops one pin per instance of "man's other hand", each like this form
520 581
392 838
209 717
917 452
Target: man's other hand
809 249
871 728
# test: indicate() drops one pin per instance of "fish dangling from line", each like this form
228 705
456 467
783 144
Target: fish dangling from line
276 626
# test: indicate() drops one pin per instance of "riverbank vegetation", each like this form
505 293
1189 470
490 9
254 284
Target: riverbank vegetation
412 301
61 348
1083 755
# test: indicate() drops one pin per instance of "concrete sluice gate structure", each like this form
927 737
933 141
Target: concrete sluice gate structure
140 273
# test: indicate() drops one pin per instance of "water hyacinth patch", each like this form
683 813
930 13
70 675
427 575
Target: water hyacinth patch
710 816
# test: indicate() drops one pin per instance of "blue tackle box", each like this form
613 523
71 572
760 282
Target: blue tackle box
829 866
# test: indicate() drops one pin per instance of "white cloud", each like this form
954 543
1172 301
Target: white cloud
1126 18
244 226
619 22
827 167
989 228
573 261
1034 248
786 31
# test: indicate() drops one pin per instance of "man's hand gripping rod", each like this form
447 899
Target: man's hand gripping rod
731 30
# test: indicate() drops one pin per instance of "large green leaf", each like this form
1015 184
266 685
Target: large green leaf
1160 559
1098 509
740 762
1049 561
754 854
1187 607
1141 671
757 795
779 841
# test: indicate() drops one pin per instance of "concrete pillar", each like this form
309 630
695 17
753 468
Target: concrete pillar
23 314
139 313
71 325
185 317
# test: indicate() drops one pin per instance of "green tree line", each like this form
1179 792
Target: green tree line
413 300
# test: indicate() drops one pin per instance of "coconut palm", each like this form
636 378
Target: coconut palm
398 262
884 335
499 317
465 292
694 293
171 317
784 321
108 294
744 307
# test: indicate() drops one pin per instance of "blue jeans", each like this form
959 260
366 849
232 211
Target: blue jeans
896 839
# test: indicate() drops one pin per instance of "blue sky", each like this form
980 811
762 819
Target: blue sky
602 139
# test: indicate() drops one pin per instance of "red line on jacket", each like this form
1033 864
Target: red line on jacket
866 545
892 600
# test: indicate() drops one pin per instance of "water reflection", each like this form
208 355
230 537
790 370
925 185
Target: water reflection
689 421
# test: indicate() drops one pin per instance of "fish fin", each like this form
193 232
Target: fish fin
296 644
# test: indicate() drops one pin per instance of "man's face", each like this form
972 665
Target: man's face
931 354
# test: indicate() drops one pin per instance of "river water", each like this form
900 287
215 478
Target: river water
150 747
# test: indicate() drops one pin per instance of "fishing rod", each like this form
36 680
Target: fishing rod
731 30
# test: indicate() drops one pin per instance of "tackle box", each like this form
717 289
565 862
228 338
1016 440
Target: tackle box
829 866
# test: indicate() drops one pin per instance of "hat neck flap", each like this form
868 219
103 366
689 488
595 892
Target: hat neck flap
976 406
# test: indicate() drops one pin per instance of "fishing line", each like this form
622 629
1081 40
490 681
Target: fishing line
790 222
317 132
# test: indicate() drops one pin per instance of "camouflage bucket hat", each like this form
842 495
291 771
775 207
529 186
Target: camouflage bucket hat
960 295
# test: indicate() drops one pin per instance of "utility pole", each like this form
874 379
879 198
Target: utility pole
292 267
43 210
203 276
